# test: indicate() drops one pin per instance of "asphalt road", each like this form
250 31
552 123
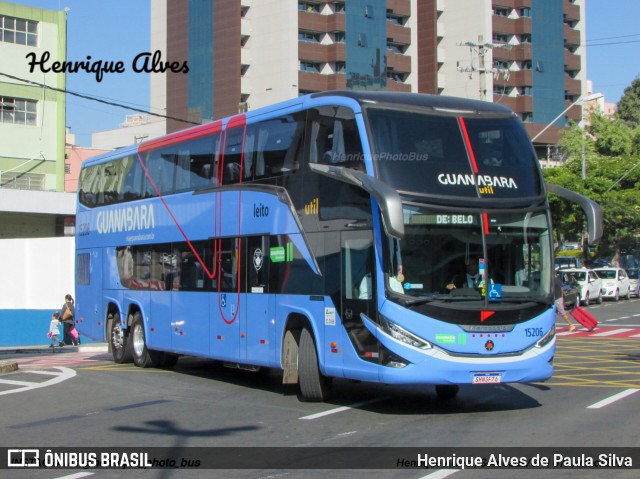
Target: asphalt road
591 401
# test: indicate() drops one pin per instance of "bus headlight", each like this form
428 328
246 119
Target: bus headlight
401 334
547 337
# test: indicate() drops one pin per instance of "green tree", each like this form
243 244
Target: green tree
612 180
629 104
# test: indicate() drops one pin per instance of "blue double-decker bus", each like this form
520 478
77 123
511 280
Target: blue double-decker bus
383 237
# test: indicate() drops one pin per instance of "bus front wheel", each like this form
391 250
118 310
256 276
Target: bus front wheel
143 357
314 386
119 341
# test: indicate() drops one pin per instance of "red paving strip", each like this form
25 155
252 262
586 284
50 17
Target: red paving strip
599 332
63 359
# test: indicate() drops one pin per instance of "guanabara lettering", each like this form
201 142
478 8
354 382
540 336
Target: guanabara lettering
455 179
126 219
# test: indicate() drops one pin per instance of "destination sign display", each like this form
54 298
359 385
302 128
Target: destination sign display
444 219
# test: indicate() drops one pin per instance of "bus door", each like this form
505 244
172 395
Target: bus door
228 312
226 302
257 330
190 301
89 302
358 293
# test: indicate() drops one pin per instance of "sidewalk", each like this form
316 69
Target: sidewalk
97 347
8 363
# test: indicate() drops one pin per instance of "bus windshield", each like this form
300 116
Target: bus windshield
446 257
488 157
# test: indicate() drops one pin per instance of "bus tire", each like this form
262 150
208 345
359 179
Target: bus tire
314 386
143 357
447 391
119 341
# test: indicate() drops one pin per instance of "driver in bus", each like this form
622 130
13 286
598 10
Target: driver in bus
471 278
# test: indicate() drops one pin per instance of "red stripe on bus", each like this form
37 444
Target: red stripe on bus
236 121
181 136
485 223
211 275
467 141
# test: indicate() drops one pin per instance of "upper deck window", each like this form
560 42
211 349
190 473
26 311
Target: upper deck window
427 153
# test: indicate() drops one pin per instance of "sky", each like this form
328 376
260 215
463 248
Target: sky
118 30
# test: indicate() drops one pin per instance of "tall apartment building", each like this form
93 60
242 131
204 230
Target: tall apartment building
527 54
32 124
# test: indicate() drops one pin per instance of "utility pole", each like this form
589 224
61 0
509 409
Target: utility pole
481 69
481 49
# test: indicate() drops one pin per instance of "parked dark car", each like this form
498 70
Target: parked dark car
571 291
567 262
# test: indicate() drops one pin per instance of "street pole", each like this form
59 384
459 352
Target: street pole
483 79
584 159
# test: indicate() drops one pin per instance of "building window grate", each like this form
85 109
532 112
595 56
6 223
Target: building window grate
18 111
18 30
22 181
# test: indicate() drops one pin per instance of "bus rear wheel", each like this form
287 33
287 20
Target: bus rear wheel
314 386
119 341
143 357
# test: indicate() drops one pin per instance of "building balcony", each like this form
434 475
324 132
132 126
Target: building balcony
572 62
316 52
571 36
572 86
519 104
398 86
400 7
571 12
512 3
398 34
315 22
550 136
399 63
511 26
317 82
516 79
516 53
575 112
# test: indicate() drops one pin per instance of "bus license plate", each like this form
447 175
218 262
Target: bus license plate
487 378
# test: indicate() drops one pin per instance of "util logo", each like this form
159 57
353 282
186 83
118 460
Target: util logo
312 208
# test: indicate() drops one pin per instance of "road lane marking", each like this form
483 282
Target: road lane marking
612 399
15 383
610 332
63 375
344 408
441 474
77 475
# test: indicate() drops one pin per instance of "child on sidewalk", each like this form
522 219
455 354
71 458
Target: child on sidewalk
54 330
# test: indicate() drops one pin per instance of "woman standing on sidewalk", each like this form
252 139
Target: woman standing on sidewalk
67 315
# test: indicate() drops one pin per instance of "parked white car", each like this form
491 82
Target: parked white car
633 280
590 285
615 283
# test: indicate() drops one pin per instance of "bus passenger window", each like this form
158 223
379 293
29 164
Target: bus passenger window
232 156
131 181
334 138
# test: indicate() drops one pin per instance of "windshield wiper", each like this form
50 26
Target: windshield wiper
419 301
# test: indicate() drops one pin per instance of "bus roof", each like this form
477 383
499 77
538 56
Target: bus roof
417 99
436 102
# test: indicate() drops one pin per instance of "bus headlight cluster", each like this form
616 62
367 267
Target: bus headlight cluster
547 337
401 334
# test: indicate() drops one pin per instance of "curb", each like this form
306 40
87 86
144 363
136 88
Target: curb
44 349
8 366
93 348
